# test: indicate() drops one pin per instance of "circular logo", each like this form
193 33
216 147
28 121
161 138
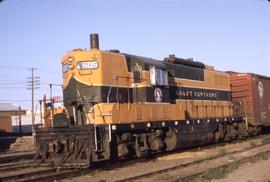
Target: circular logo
260 89
158 94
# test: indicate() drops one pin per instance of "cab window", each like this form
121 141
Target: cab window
137 73
65 68
158 76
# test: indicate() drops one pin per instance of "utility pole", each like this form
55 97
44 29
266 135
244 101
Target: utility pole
33 82
20 119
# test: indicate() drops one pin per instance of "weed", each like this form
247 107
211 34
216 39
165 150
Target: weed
222 151
221 172
258 157
264 157
253 144
216 173
231 159
265 140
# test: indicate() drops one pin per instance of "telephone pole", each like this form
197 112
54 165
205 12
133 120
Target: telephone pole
33 83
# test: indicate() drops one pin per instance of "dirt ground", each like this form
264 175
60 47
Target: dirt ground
16 144
257 171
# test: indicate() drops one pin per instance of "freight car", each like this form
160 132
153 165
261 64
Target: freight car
119 105
254 92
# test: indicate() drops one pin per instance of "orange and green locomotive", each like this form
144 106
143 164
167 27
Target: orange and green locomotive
118 105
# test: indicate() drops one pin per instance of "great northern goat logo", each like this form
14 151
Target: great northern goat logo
158 94
260 89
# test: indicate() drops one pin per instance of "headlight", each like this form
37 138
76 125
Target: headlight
70 59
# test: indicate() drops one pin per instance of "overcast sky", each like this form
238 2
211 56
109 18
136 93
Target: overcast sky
228 34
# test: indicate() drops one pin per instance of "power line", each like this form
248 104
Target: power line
13 67
12 87
15 100
10 77
50 71
25 68
11 83
20 77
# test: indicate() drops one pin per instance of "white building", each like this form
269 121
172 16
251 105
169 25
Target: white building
26 122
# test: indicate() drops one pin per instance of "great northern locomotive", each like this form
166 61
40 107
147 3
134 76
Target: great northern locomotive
118 105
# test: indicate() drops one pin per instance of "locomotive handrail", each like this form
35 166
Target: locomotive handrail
128 93
245 112
86 113
110 133
108 95
124 77
40 109
74 114
95 138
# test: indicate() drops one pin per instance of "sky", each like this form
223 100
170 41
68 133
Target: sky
228 34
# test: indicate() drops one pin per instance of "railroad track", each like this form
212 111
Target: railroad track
179 172
14 152
39 174
28 171
14 165
11 157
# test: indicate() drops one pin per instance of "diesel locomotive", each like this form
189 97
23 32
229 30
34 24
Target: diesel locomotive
118 105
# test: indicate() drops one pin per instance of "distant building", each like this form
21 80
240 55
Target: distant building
26 122
7 110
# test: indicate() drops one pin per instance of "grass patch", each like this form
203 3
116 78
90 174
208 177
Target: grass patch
264 157
24 162
222 151
253 144
265 140
221 172
258 157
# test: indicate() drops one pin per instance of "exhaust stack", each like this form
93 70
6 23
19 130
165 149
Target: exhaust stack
94 42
